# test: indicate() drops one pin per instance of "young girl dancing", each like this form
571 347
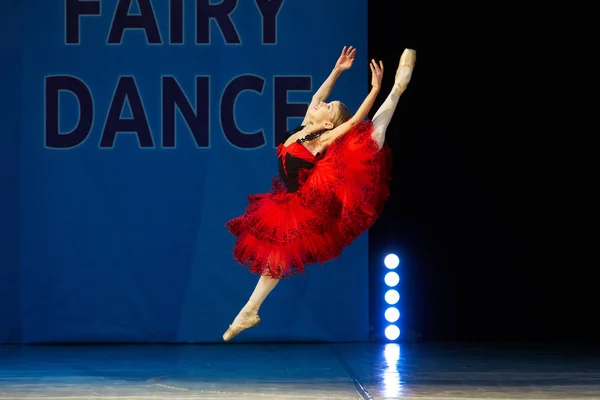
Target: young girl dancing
334 173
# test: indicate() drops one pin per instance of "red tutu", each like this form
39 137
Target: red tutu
339 198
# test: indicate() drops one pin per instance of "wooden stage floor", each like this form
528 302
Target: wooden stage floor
300 371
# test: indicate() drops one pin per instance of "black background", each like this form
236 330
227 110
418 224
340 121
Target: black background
488 210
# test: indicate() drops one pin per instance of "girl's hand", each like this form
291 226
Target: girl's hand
376 74
346 59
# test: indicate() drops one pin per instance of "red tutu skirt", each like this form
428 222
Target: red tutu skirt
339 198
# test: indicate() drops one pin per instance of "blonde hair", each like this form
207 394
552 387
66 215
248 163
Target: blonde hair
342 115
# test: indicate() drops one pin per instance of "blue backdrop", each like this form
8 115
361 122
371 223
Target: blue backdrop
132 131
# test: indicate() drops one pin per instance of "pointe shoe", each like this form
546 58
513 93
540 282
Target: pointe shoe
248 321
405 69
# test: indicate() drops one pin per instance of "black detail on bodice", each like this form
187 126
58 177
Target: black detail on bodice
290 171
291 165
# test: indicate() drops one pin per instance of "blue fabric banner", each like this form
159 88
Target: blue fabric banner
134 130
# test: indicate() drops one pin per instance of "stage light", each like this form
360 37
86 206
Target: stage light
392 297
392 279
391 261
392 332
392 314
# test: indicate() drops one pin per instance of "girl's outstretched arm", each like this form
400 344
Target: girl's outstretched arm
343 63
363 110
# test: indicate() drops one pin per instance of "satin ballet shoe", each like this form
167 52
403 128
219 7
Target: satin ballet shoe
248 321
405 69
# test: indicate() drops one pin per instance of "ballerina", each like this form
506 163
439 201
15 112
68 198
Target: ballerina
334 172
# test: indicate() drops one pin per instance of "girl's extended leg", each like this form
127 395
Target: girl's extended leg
384 114
248 316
